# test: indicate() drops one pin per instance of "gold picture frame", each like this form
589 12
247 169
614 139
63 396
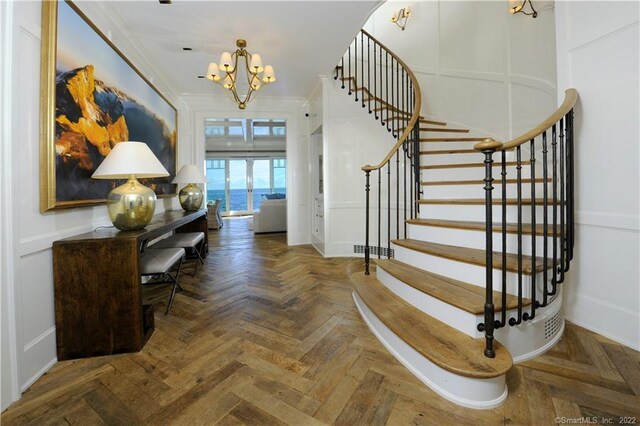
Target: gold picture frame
93 97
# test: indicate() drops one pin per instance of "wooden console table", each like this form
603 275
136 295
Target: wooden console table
97 285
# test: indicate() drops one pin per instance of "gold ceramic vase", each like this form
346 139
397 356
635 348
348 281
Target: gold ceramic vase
131 206
191 197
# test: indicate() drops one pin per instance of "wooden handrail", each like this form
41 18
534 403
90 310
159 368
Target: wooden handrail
416 108
570 99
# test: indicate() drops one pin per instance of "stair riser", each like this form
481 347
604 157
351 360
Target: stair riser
467 173
475 239
453 316
428 159
445 145
469 273
464 321
468 392
477 212
477 191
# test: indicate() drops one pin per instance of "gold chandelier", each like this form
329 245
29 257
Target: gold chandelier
256 74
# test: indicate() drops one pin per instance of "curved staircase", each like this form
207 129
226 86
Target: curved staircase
433 223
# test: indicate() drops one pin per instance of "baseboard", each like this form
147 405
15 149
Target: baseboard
615 323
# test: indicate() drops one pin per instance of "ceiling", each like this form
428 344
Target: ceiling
301 39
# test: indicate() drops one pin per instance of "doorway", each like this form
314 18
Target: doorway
242 183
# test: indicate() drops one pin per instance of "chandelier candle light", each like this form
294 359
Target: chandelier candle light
191 196
130 206
226 73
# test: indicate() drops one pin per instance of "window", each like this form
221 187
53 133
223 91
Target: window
280 175
269 129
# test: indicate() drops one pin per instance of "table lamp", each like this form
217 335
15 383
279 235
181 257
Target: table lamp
131 206
190 196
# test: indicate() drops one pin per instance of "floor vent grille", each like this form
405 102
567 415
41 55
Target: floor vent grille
552 325
373 251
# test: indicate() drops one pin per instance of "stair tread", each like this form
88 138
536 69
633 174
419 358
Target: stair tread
512 228
472 256
465 296
440 343
496 182
465 165
481 201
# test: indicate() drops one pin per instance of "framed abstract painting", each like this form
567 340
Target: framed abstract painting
93 97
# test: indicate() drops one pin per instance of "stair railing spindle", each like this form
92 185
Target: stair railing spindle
503 207
545 220
488 147
366 224
379 211
532 160
563 239
514 321
369 71
362 66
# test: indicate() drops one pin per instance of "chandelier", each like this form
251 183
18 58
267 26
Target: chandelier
226 73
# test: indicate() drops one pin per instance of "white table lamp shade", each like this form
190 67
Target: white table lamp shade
190 173
130 158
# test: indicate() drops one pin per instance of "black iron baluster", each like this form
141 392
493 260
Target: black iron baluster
366 224
514 321
389 209
503 208
488 147
362 67
379 211
392 105
381 90
369 72
532 159
398 194
355 65
545 219
342 72
406 158
349 77
386 98
411 170
554 186
395 99
375 83
563 239
571 172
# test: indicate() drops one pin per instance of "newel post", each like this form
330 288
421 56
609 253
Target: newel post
366 224
488 147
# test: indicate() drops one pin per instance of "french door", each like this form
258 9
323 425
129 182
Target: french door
241 183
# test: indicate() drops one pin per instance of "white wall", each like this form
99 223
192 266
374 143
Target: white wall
27 235
200 107
477 65
351 139
598 54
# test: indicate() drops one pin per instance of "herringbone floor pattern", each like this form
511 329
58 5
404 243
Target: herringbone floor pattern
268 334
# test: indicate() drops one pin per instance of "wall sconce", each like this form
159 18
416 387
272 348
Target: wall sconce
515 6
400 17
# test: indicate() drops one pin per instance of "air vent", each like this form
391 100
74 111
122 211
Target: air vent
373 251
552 325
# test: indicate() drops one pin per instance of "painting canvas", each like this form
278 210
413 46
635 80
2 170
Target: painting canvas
100 99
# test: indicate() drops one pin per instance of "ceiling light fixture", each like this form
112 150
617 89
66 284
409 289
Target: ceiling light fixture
401 17
226 73
516 6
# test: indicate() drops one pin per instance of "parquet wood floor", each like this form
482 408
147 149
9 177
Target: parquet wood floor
268 334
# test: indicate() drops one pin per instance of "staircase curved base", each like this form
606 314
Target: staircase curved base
465 391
